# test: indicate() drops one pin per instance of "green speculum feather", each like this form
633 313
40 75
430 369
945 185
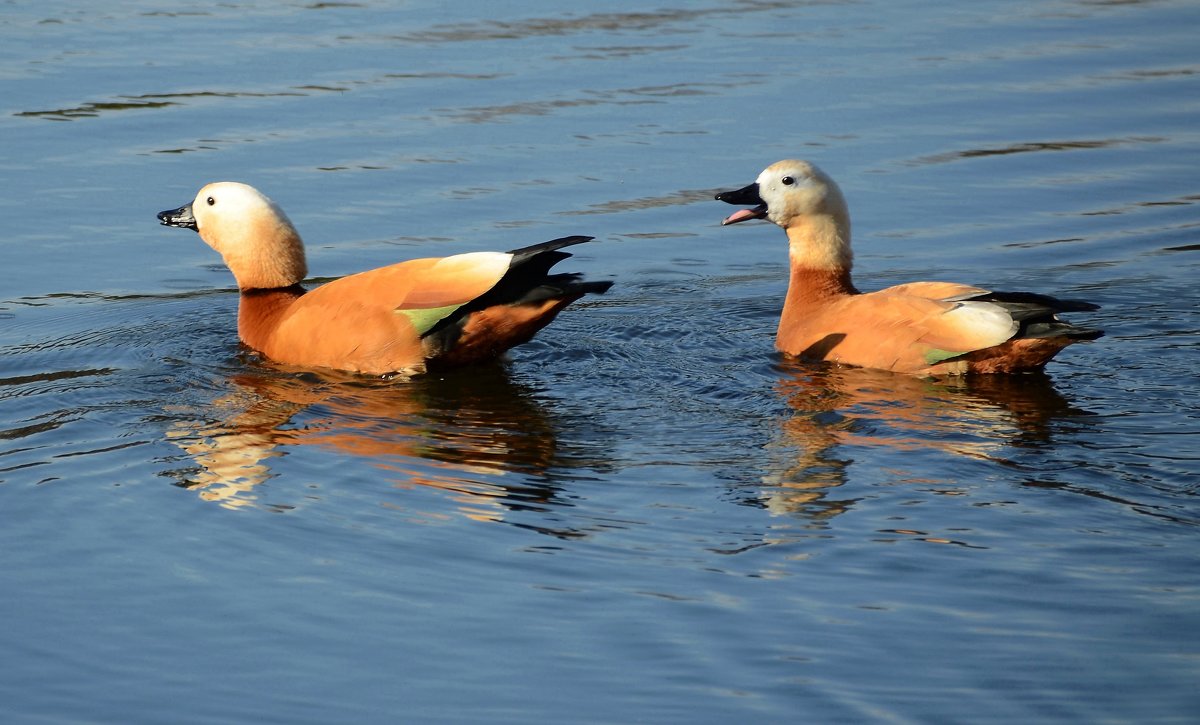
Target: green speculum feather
934 356
424 319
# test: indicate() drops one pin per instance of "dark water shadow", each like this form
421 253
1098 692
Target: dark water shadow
473 433
1034 147
836 410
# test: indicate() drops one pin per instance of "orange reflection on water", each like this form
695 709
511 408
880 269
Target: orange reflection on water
458 432
835 410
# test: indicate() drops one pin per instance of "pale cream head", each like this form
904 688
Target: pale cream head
253 235
810 207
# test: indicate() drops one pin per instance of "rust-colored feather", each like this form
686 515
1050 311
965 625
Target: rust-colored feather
400 318
919 327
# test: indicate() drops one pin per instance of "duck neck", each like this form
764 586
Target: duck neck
820 273
809 286
268 252
819 252
261 310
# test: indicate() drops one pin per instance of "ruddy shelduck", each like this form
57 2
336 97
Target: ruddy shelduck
924 328
405 318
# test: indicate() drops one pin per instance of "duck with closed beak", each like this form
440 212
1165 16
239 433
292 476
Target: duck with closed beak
404 318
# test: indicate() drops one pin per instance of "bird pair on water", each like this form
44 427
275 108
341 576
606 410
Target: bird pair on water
429 313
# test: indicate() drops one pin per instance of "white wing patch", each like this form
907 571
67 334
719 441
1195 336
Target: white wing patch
991 324
477 263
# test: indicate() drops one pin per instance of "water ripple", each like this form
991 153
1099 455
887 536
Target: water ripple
1033 147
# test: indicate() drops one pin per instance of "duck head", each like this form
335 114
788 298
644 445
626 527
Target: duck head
806 203
255 238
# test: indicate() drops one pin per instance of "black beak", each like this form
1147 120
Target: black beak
745 196
181 217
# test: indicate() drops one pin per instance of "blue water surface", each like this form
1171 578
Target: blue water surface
645 514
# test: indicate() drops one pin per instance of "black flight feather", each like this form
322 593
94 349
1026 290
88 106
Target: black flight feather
527 280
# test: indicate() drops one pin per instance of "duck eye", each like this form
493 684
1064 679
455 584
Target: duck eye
788 181
211 201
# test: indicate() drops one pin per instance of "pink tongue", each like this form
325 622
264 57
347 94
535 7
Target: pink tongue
741 215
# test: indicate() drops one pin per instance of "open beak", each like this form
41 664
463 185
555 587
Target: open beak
747 195
181 217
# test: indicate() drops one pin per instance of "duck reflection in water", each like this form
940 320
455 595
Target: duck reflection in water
460 432
837 411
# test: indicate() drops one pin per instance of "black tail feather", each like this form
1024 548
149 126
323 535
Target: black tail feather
1032 298
1038 314
528 280
524 254
1058 328
563 285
